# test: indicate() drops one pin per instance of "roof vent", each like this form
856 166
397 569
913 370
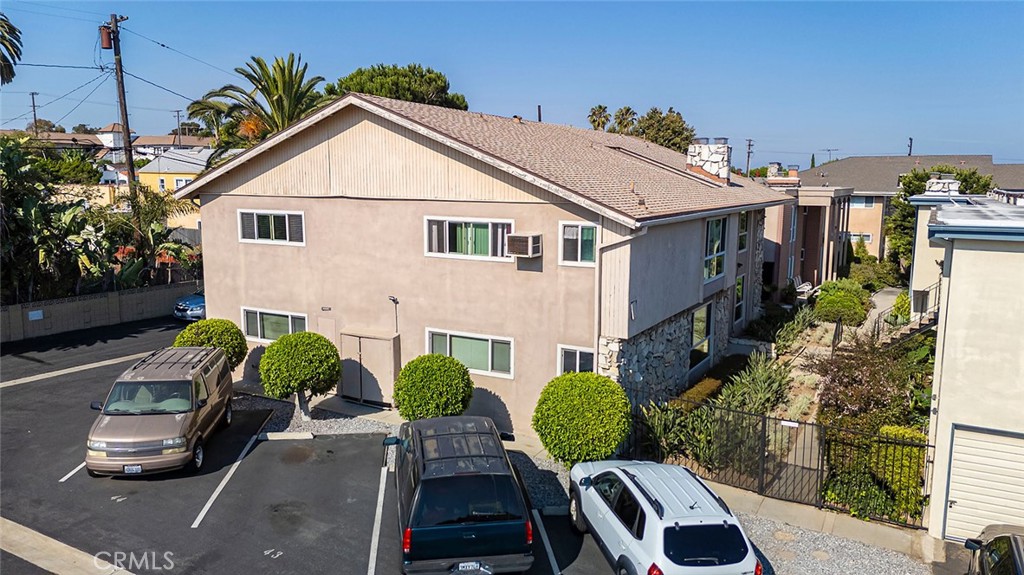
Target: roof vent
517 119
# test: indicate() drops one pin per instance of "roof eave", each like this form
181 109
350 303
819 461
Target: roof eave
701 214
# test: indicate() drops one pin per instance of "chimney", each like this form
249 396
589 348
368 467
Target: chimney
710 158
942 184
774 169
794 170
517 119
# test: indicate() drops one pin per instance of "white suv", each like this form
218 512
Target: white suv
657 519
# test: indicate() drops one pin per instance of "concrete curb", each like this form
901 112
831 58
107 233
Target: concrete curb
283 435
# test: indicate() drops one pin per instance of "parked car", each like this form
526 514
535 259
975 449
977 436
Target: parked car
191 307
999 550
461 503
657 519
160 412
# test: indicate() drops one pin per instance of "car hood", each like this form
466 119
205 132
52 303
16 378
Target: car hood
139 428
192 300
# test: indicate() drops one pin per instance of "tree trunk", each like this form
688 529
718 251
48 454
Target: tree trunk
303 404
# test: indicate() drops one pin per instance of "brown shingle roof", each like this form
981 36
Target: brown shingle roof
1008 176
190 141
881 173
60 138
595 164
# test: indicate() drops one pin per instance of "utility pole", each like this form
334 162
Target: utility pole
177 135
35 121
126 133
910 147
750 150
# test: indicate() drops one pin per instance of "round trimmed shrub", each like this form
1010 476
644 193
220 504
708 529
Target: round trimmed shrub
582 417
220 333
433 385
840 305
300 362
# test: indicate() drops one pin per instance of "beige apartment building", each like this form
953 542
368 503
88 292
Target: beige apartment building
523 249
977 478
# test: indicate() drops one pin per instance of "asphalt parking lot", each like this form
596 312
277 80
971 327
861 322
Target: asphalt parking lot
293 506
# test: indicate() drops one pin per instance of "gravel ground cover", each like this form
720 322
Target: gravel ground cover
287 418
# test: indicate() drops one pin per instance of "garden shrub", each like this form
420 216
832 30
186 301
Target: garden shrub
897 461
581 417
220 333
772 319
760 387
433 385
788 334
709 386
697 433
299 363
901 307
840 305
858 491
663 433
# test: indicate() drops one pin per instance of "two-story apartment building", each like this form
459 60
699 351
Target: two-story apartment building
521 248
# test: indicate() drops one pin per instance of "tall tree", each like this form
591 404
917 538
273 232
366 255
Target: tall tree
599 117
278 96
412 83
10 49
625 119
44 125
82 129
899 224
187 129
667 129
813 163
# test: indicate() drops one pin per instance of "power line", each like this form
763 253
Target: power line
50 15
162 45
69 66
82 101
158 86
58 98
63 8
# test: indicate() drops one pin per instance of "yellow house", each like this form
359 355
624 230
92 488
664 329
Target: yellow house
172 170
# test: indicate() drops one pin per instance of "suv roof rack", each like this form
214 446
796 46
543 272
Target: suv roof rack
658 508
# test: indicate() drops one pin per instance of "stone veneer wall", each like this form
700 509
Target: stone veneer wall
712 158
652 365
754 279
722 312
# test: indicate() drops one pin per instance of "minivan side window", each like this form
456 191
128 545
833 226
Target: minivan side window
999 557
200 388
608 486
223 373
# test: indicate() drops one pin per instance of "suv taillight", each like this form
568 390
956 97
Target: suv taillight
654 570
529 532
758 570
407 540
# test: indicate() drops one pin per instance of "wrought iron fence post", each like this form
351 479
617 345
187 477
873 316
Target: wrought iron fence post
764 454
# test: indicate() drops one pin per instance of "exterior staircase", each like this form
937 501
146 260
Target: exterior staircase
891 328
923 323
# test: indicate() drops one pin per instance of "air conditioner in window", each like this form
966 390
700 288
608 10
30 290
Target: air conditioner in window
523 245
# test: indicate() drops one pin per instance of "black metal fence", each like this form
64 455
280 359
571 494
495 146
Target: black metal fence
881 477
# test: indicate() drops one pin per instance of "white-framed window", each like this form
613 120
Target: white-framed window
181 182
571 358
482 354
469 238
854 237
163 185
714 249
271 226
789 268
743 231
792 224
268 325
578 245
739 307
700 351
862 202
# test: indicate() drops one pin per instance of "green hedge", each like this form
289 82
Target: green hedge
712 382
433 385
581 417
215 333
840 305
300 362
899 464
901 307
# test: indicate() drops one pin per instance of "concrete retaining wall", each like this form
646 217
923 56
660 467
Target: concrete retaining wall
28 320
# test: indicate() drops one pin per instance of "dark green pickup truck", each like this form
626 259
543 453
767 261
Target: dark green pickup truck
461 507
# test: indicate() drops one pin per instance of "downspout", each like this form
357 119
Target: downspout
598 267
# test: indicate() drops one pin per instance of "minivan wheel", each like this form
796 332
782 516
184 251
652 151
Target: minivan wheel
198 454
579 525
226 419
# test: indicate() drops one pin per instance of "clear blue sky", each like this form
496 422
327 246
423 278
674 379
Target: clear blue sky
795 77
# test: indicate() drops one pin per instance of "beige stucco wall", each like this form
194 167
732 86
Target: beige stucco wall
924 272
979 367
869 221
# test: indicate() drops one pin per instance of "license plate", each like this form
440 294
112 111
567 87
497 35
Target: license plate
133 469
469 566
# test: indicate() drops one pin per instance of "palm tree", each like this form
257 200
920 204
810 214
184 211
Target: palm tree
280 94
625 120
599 117
212 113
10 49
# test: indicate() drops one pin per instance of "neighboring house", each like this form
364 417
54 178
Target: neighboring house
61 141
876 179
807 240
112 138
152 146
977 477
523 249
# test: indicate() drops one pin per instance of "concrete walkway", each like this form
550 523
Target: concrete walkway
883 300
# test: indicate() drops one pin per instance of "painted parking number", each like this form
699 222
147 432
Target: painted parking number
273 553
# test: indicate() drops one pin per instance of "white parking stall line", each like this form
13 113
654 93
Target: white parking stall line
73 471
547 544
375 539
60 372
223 482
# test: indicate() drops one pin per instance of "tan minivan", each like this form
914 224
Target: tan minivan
159 413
